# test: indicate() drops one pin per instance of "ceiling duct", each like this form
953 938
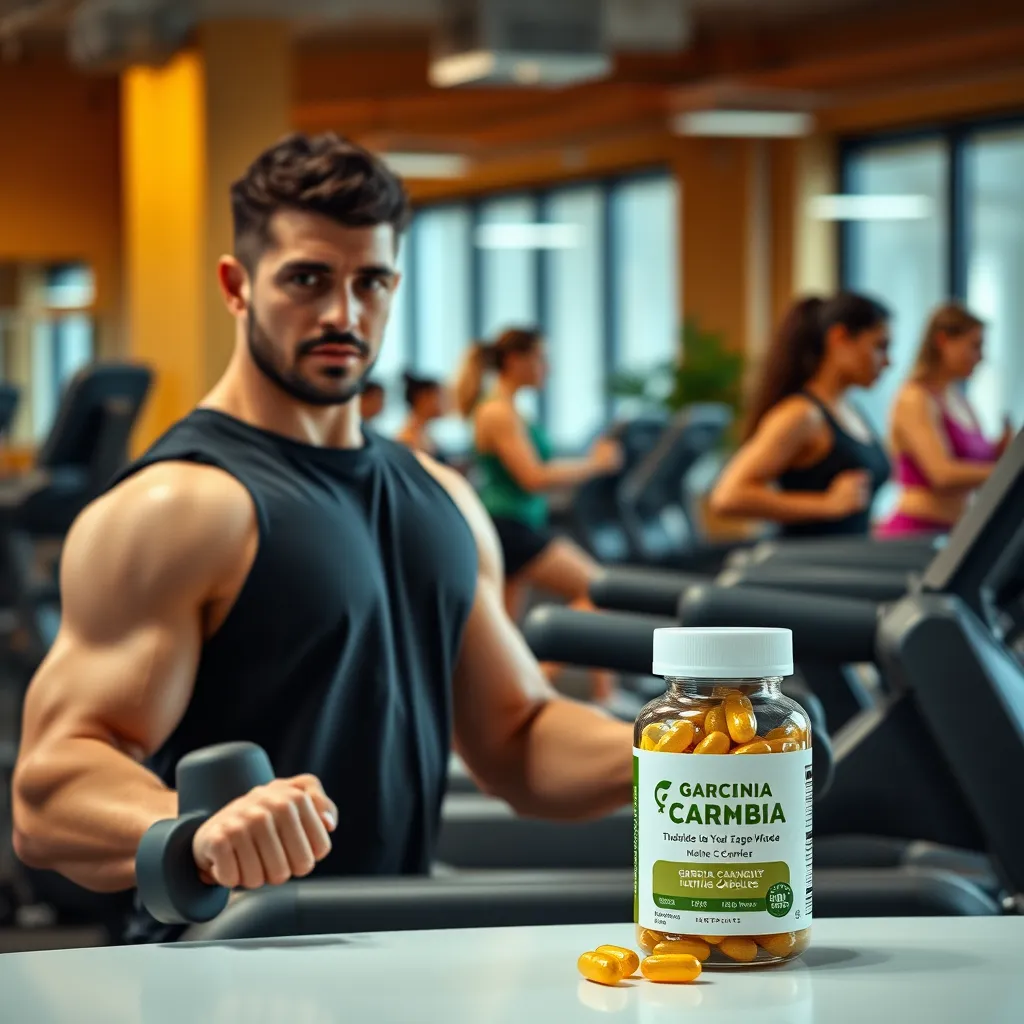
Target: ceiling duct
109 35
520 42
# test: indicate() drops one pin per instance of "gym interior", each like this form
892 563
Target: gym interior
711 313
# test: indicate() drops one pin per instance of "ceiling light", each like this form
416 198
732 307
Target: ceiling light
528 236
878 207
762 124
427 165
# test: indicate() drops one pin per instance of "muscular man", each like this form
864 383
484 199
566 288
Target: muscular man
268 572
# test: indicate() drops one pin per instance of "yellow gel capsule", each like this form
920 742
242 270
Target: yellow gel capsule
671 967
781 746
741 720
628 960
650 736
692 947
649 938
600 968
711 940
739 948
782 944
789 731
756 747
713 743
676 739
714 720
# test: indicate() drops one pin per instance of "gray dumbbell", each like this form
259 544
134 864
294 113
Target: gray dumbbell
166 874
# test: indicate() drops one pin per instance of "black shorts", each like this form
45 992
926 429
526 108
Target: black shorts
520 543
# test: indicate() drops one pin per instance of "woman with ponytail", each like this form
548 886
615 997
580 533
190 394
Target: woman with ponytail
942 454
810 462
515 470
426 400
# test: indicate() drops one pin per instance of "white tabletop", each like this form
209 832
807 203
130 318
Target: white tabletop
876 971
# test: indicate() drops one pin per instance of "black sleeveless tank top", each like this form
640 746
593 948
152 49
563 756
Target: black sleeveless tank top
847 453
337 656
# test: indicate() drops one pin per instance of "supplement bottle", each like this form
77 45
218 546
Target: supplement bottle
722 796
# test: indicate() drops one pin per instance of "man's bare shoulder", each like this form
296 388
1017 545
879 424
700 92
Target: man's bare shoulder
176 525
468 503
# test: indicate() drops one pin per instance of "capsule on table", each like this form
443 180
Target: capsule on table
691 947
676 738
740 719
670 967
754 747
628 960
739 948
600 968
713 743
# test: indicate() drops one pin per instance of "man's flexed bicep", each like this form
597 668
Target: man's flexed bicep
142 568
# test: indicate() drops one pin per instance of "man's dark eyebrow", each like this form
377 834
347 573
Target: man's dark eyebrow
306 267
377 270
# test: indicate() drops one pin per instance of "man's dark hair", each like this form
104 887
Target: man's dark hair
322 174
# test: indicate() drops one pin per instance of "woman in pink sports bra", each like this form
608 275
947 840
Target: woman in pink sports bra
941 454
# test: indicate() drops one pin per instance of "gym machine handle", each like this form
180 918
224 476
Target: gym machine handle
643 591
166 873
837 630
614 640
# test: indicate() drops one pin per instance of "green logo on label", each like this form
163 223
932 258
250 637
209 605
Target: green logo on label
661 794
780 900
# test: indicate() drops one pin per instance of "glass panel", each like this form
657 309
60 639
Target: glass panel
576 388
441 297
901 262
508 277
645 269
995 271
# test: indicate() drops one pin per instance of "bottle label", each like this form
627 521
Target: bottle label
722 843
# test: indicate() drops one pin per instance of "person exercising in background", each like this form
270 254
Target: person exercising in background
269 571
427 401
942 455
515 470
810 461
371 402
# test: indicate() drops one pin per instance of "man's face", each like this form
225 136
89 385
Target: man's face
318 305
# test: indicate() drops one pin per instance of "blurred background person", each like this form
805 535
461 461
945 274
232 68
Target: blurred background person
941 452
514 471
810 461
426 401
371 403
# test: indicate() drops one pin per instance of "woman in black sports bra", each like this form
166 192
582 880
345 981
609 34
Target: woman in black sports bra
810 462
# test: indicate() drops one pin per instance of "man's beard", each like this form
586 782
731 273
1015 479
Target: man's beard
288 379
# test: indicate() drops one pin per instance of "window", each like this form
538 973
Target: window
645 285
593 265
995 270
969 247
900 262
575 394
508 276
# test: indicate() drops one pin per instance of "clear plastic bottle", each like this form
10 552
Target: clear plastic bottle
722 801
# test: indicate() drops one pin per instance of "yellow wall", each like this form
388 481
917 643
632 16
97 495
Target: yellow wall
164 161
190 129
60 177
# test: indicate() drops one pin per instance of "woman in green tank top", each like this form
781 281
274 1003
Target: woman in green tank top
515 469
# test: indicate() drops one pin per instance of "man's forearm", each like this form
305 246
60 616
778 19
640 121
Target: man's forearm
81 808
577 762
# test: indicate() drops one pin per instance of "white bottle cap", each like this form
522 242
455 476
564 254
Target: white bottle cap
723 653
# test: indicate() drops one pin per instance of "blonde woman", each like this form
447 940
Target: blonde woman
941 453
